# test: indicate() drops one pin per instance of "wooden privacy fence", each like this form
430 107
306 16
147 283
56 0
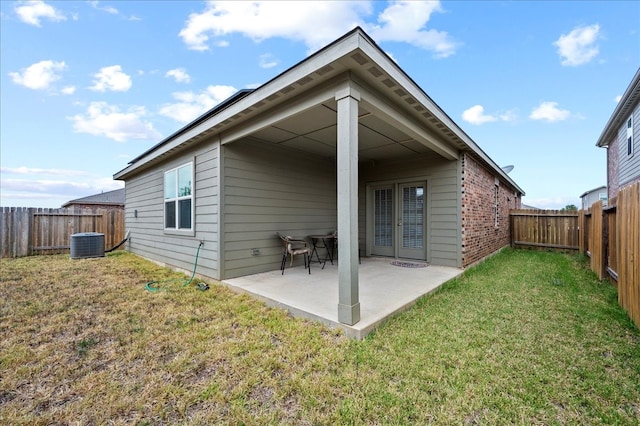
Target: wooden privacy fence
554 229
29 231
609 235
612 241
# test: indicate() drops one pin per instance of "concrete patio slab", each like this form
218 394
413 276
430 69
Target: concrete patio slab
384 289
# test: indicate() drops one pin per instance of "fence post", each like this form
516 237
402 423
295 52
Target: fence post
604 241
581 231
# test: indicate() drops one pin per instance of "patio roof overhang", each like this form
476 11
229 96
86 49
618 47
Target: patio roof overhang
297 109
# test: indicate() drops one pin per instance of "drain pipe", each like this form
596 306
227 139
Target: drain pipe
126 237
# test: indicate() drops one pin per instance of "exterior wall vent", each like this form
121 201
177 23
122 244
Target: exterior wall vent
87 244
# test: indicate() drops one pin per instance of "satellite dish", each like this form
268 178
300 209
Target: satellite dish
507 169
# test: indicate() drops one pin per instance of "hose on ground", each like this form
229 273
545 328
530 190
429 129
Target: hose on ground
154 286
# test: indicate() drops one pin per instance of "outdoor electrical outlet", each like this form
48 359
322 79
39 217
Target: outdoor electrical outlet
255 252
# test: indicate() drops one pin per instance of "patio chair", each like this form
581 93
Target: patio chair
293 246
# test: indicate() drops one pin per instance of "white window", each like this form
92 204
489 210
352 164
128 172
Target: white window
630 136
178 198
602 196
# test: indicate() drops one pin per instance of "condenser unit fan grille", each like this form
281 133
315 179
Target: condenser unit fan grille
87 244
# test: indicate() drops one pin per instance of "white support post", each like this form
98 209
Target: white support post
348 300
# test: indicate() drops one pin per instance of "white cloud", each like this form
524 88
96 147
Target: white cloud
106 120
108 9
579 46
68 90
111 78
405 21
192 105
475 115
549 111
50 181
42 185
31 12
23 170
260 20
268 61
508 116
65 186
551 203
315 23
40 75
179 74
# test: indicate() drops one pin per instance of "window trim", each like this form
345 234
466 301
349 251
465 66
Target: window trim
176 230
630 147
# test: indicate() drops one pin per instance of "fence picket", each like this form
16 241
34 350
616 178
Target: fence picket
553 229
610 236
30 231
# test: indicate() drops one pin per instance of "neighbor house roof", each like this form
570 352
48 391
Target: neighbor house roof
393 99
109 198
625 106
594 190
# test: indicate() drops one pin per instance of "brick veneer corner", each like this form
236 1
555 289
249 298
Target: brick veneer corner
480 236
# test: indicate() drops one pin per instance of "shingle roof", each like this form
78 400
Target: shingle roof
628 102
104 198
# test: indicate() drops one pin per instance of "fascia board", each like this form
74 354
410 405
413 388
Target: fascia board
309 65
629 99
392 69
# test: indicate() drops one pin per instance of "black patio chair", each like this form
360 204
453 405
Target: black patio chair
292 247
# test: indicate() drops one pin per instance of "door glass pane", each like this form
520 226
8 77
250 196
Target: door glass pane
413 217
383 217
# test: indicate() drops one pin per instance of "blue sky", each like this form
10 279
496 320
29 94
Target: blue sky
87 86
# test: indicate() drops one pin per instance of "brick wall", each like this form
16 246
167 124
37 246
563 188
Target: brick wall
612 168
480 235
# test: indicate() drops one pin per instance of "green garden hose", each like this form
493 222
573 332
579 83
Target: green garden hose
162 285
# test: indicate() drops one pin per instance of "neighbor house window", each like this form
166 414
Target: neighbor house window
178 198
630 136
603 197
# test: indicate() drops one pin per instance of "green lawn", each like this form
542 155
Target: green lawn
527 337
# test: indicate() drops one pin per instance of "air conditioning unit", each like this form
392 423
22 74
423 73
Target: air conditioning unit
87 244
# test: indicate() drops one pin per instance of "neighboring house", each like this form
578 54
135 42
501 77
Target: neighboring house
591 196
110 199
621 137
343 140
527 207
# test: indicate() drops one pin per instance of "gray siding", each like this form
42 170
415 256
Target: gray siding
591 197
145 193
629 166
443 201
269 189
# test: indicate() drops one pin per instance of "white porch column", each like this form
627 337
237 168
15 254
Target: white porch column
348 300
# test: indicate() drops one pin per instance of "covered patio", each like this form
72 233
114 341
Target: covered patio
384 288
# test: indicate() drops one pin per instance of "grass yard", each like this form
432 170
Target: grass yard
525 338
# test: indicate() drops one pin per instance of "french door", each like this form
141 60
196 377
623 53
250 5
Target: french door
398 214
